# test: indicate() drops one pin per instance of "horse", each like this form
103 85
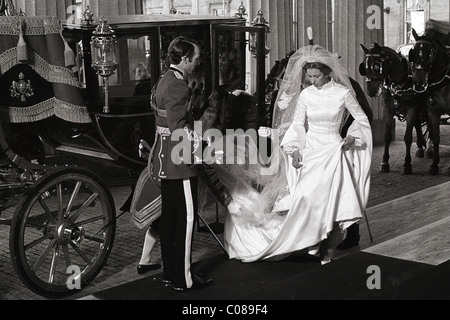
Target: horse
430 64
387 74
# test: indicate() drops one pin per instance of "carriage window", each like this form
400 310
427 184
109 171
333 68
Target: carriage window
139 68
133 75
139 59
229 47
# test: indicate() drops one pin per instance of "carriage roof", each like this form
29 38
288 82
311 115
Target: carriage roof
156 20
441 26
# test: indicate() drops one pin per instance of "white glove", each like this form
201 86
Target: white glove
265 132
237 92
233 207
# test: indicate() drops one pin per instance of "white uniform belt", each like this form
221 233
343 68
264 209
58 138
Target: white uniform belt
162 130
161 112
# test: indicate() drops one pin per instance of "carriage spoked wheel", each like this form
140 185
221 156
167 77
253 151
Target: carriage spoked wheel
62 232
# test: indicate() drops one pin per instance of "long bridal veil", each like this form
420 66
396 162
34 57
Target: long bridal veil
255 179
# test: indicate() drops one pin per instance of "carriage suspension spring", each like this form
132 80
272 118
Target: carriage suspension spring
45 195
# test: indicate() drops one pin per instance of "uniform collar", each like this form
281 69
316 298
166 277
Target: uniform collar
178 71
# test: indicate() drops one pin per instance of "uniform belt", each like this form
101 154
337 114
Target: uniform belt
162 130
161 112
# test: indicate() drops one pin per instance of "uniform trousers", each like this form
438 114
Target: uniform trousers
176 229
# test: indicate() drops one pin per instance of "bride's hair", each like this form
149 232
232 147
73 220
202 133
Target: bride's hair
326 70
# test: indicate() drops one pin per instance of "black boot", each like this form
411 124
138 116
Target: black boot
352 238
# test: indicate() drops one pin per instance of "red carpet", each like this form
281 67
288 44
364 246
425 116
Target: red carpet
300 277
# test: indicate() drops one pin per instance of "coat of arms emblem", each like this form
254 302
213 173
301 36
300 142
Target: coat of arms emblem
21 89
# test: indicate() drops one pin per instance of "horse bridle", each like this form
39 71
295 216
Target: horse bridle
376 68
420 65
380 70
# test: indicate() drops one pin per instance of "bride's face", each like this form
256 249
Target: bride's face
316 77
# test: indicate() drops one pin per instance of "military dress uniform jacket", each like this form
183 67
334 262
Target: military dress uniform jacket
173 111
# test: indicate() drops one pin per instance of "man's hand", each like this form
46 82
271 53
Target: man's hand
348 142
297 159
265 132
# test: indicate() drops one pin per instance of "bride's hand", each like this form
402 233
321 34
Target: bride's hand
234 208
265 132
348 142
297 159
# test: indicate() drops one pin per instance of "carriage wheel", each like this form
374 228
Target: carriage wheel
62 232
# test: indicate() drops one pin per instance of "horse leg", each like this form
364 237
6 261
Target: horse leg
434 133
388 124
410 115
421 143
429 151
387 142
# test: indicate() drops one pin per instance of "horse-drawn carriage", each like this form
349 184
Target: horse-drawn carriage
62 150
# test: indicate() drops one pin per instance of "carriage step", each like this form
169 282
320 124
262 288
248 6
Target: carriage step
90 153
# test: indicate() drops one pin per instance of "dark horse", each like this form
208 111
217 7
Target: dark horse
431 76
387 73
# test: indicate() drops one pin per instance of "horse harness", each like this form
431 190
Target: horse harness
378 70
445 79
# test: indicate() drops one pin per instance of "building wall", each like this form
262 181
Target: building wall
395 20
440 10
68 9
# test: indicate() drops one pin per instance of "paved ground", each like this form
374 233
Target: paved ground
121 265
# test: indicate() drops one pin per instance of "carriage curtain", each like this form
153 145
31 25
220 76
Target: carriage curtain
38 43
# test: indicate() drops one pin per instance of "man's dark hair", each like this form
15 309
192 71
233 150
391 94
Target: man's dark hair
180 47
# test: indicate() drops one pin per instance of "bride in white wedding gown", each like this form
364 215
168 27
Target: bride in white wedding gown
322 183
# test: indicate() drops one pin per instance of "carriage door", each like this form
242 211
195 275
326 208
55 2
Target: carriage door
231 61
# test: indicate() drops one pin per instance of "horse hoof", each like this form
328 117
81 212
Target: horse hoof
433 171
385 168
407 170
420 154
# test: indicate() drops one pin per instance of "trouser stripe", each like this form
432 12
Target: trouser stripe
189 230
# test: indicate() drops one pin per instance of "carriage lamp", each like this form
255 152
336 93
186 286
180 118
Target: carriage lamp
259 21
104 50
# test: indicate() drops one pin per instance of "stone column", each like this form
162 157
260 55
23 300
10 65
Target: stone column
360 22
115 7
62 8
312 13
280 18
195 7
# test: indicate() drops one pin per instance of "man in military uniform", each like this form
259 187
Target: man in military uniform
178 180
